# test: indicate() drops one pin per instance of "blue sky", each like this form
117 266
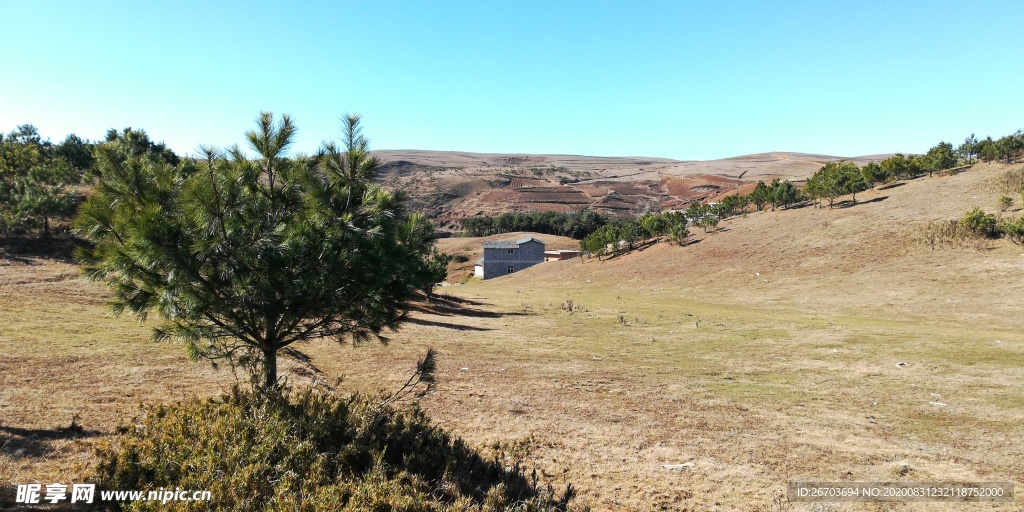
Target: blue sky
686 80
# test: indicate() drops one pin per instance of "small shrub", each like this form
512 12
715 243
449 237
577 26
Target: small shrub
980 223
460 258
311 451
1005 203
571 306
1014 231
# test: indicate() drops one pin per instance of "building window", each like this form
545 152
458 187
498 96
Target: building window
510 251
511 269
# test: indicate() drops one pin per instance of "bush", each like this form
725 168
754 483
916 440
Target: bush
1014 231
460 258
1005 202
980 223
311 450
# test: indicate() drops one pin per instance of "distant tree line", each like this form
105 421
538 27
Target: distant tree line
832 181
571 224
627 234
36 177
1005 149
842 178
39 181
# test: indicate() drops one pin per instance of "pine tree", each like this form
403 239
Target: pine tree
243 257
35 184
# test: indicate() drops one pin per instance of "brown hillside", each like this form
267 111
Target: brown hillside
854 258
451 186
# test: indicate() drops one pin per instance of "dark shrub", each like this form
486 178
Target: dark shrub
310 451
980 223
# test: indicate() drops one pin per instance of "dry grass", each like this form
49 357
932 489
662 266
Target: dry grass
765 353
945 234
1010 181
62 360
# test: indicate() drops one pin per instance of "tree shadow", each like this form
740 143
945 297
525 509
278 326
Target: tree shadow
849 203
22 249
28 443
892 185
445 325
446 306
875 200
797 206
31 443
645 245
690 242
459 300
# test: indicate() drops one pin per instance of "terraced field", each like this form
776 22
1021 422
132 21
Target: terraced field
453 186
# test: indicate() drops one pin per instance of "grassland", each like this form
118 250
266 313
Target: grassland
809 344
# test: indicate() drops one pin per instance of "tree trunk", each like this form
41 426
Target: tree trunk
269 370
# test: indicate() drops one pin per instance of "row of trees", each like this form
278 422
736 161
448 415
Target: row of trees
571 224
1005 149
841 178
833 180
37 179
626 234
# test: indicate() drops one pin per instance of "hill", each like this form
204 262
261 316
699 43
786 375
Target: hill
804 344
857 258
450 186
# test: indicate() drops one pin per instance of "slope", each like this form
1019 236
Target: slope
808 344
450 186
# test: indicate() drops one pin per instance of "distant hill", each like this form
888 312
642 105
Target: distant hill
450 186
859 257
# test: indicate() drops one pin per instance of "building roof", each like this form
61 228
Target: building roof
510 245
500 245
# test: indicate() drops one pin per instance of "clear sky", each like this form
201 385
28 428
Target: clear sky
674 79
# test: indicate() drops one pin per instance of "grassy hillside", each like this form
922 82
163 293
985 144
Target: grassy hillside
767 352
770 351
